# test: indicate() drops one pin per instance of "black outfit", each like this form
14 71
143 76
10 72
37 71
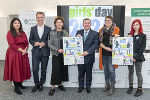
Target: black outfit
39 54
107 36
59 70
139 44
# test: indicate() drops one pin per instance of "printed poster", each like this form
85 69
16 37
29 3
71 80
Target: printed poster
73 50
122 51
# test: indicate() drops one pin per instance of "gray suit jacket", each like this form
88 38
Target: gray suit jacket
54 41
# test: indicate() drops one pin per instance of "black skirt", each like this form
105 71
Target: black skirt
59 70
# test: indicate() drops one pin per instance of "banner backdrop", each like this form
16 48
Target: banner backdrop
28 19
97 15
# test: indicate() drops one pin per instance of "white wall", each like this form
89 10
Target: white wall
11 7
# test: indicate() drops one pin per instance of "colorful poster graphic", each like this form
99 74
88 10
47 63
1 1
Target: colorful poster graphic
97 15
73 50
122 51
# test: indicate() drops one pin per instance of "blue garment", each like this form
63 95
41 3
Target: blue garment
109 70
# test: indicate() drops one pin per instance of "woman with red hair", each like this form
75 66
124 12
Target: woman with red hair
139 44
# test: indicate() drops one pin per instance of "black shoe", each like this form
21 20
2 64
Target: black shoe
138 93
51 92
88 90
41 88
17 90
35 88
61 87
80 89
22 87
129 91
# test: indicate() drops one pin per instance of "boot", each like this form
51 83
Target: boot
138 92
107 87
111 90
16 89
129 91
21 86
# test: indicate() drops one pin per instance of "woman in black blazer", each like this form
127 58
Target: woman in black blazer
139 44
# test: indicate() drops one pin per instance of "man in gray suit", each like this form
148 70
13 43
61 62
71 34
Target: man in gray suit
90 44
40 52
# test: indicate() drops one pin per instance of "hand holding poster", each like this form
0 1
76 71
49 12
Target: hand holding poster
122 51
73 50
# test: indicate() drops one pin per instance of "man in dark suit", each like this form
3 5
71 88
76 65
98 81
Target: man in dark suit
90 44
40 52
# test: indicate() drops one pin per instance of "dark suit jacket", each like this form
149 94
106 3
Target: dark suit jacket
34 37
90 45
139 45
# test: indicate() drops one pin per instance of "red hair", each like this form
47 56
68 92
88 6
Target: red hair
140 29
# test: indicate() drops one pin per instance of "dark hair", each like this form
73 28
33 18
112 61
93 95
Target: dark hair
86 19
110 17
12 29
59 18
40 12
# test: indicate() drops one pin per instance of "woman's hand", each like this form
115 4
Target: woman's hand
116 36
61 51
108 49
133 60
129 35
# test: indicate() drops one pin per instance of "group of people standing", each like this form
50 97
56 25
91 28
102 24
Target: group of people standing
43 39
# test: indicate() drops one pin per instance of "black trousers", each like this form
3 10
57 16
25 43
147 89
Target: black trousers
85 70
36 60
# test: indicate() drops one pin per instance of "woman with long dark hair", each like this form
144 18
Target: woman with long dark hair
139 44
17 68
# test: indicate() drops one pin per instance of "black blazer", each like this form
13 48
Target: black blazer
139 45
34 37
90 45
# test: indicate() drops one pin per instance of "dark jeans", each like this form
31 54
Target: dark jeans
109 70
36 60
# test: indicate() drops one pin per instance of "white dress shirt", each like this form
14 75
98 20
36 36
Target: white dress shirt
40 30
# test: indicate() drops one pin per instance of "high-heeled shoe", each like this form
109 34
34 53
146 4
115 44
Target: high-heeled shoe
51 92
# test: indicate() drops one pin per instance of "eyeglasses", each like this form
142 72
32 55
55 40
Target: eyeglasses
108 21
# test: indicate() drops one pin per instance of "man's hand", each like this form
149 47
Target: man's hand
42 44
36 44
61 51
85 53
79 35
